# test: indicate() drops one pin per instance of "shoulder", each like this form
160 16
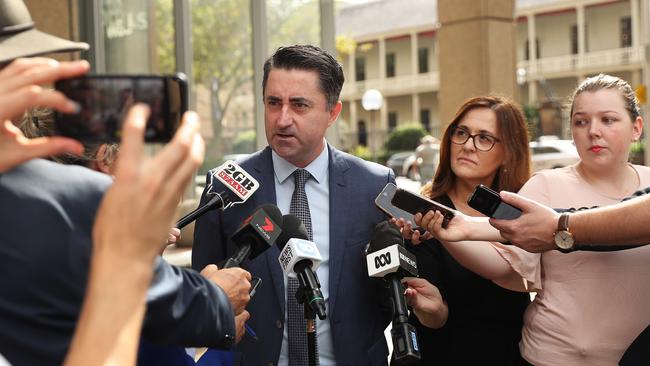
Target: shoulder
644 174
358 165
55 178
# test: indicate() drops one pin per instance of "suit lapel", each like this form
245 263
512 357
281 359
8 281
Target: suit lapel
263 168
339 204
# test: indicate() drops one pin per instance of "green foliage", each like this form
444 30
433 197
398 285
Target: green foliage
405 138
362 152
244 143
531 112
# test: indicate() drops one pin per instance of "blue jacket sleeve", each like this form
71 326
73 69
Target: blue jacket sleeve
186 309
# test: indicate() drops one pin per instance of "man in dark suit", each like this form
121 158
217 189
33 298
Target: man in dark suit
301 90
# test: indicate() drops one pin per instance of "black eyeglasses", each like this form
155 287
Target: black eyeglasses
485 142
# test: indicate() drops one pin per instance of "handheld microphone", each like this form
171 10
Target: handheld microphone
256 234
235 179
299 259
388 259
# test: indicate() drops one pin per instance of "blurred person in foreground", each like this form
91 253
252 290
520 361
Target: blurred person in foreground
427 157
49 266
461 317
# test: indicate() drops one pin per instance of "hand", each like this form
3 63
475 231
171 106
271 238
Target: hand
240 321
138 209
533 230
406 228
426 301
173 236
19 91
458 228
235 282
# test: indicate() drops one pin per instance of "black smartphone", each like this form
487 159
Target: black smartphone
488 202
413 203
105 100
383 202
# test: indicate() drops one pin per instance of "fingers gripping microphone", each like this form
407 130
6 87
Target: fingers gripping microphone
256 234
388 259
239 183
299 258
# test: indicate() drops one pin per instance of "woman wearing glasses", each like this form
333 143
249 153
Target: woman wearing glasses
465 319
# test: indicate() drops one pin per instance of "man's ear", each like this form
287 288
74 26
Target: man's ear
334 113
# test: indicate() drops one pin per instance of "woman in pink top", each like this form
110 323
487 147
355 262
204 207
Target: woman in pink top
590 305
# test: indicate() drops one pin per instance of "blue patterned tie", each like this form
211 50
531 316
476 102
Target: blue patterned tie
296 324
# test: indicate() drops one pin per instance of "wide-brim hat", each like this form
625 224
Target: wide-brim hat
20 38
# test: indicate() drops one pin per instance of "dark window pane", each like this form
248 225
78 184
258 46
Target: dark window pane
360 66
390 65
423 60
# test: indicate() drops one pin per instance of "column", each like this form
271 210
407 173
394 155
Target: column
475 68
382 58
414 53
415 107
352 66
532 92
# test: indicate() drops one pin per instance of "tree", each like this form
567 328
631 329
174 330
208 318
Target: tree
405 137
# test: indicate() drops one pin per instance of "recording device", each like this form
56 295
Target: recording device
299 258
105 100
413 203
240 184
256 234
488 202
387 258
383 202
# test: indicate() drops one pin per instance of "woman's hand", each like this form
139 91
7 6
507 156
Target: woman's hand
426 300
408 233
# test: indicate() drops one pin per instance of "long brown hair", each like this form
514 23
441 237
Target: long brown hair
515 170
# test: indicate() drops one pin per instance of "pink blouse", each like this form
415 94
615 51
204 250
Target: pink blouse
590 306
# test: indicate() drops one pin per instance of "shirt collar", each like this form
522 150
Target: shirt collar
317 168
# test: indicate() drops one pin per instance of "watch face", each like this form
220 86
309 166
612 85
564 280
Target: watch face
564 239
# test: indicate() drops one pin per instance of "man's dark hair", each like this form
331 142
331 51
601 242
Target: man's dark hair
309 58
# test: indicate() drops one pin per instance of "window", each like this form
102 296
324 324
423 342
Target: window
527 53
425 119
360 68
423 60
390 65
392 121
574 39
626 32
362 133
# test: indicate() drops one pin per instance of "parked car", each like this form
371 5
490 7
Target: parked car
396 161
550 153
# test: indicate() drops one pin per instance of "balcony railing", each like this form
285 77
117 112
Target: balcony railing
398 85
587 62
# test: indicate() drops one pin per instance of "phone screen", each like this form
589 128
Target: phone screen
105 101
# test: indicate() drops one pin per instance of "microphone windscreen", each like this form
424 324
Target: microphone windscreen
292 227
385 235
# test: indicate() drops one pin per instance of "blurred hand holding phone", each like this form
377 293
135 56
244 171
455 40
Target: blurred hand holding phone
105 99
400 203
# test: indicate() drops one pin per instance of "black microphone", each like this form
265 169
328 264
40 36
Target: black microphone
299 258
240 184
256 234
388 259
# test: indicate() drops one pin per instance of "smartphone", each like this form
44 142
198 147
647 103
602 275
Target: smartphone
105 101
488 202
255 282
413 203
383 202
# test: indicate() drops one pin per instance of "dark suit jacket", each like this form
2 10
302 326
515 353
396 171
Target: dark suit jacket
357 319
48 210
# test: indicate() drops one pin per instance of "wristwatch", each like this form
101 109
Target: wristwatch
564 240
